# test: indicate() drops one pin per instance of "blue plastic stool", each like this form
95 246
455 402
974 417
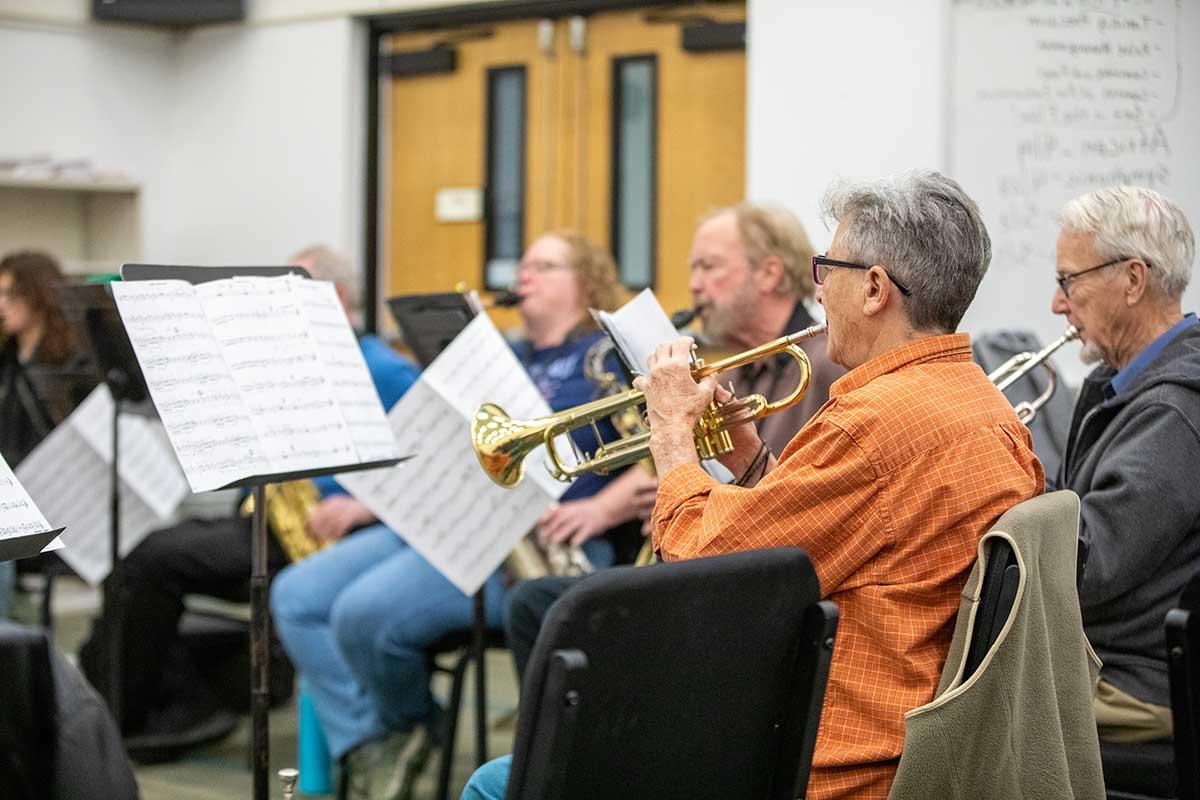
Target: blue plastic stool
316 765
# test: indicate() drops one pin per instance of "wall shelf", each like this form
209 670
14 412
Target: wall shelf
90 226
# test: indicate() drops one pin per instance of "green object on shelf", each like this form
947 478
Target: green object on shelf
103 277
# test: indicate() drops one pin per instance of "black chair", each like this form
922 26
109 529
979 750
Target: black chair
457 646
1001 580
1166 770
28 718
1183 661
701 678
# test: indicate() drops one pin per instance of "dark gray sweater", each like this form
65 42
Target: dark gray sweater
1134 461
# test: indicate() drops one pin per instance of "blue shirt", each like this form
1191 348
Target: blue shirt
392 374
558 373
1125 378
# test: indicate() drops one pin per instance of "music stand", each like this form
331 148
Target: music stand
429 322
27 546
91 310
259 609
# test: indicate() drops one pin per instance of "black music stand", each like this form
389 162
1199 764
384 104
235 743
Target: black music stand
91 310
259 609
429 322
27 546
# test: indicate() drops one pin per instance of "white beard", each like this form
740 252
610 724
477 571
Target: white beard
1090 353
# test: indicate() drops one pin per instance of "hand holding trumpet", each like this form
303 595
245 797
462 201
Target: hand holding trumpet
676 401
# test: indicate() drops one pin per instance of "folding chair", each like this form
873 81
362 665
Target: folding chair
701 678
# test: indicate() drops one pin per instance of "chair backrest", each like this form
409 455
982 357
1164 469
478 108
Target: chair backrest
1183 662
27 713
1001 579
702 678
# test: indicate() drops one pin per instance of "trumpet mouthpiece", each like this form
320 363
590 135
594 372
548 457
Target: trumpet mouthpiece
683 317
507 300
808 333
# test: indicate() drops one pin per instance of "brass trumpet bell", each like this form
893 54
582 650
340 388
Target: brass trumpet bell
1022 364
501 444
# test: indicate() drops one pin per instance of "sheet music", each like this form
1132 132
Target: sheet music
202 408
637 328
19 516
148 464
344 367
479 366
440 501
69 481
273 360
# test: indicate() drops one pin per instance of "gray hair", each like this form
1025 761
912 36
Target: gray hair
774 231
924 229
327 264
1137 223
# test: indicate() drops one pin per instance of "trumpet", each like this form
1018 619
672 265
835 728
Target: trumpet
1022 364
501 444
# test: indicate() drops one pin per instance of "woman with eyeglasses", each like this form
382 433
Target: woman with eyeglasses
358 617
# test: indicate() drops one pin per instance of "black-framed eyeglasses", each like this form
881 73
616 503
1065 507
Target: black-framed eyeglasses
821 266
1064 281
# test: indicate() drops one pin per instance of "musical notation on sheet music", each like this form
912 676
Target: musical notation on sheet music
422 499
70 482
19 516
264 335
212 455
344 367
255 375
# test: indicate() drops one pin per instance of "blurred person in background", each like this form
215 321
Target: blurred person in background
42 374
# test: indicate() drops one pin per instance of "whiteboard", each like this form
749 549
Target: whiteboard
1050 99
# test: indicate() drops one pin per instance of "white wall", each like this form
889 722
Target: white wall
266 142
93 93
246 139
841 89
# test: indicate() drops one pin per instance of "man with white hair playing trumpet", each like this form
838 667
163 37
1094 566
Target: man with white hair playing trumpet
1124 259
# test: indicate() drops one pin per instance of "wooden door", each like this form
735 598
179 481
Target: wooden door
605 123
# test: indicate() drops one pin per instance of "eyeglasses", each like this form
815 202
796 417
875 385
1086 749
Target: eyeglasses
821 266
1064 281
539 266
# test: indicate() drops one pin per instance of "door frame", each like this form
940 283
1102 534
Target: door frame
381 25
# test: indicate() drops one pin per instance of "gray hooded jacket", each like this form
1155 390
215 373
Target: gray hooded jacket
1134 461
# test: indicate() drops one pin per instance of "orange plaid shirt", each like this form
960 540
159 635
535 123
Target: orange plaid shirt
889 487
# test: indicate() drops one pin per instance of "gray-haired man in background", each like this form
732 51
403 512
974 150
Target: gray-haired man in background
1124 259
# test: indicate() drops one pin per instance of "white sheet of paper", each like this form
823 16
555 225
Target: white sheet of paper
440 501
344 367
263 333
201 406
638 327
478 367
19 515
70 482
148 464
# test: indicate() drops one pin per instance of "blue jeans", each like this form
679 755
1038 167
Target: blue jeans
357 618
489 781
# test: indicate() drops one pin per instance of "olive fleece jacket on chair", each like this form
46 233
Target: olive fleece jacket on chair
1022 725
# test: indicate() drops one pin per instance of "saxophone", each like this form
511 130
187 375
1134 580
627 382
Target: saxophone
288 507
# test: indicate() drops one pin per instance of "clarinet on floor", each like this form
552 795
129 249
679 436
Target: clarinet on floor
288 778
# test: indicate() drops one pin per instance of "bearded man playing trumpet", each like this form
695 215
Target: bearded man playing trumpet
889 487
